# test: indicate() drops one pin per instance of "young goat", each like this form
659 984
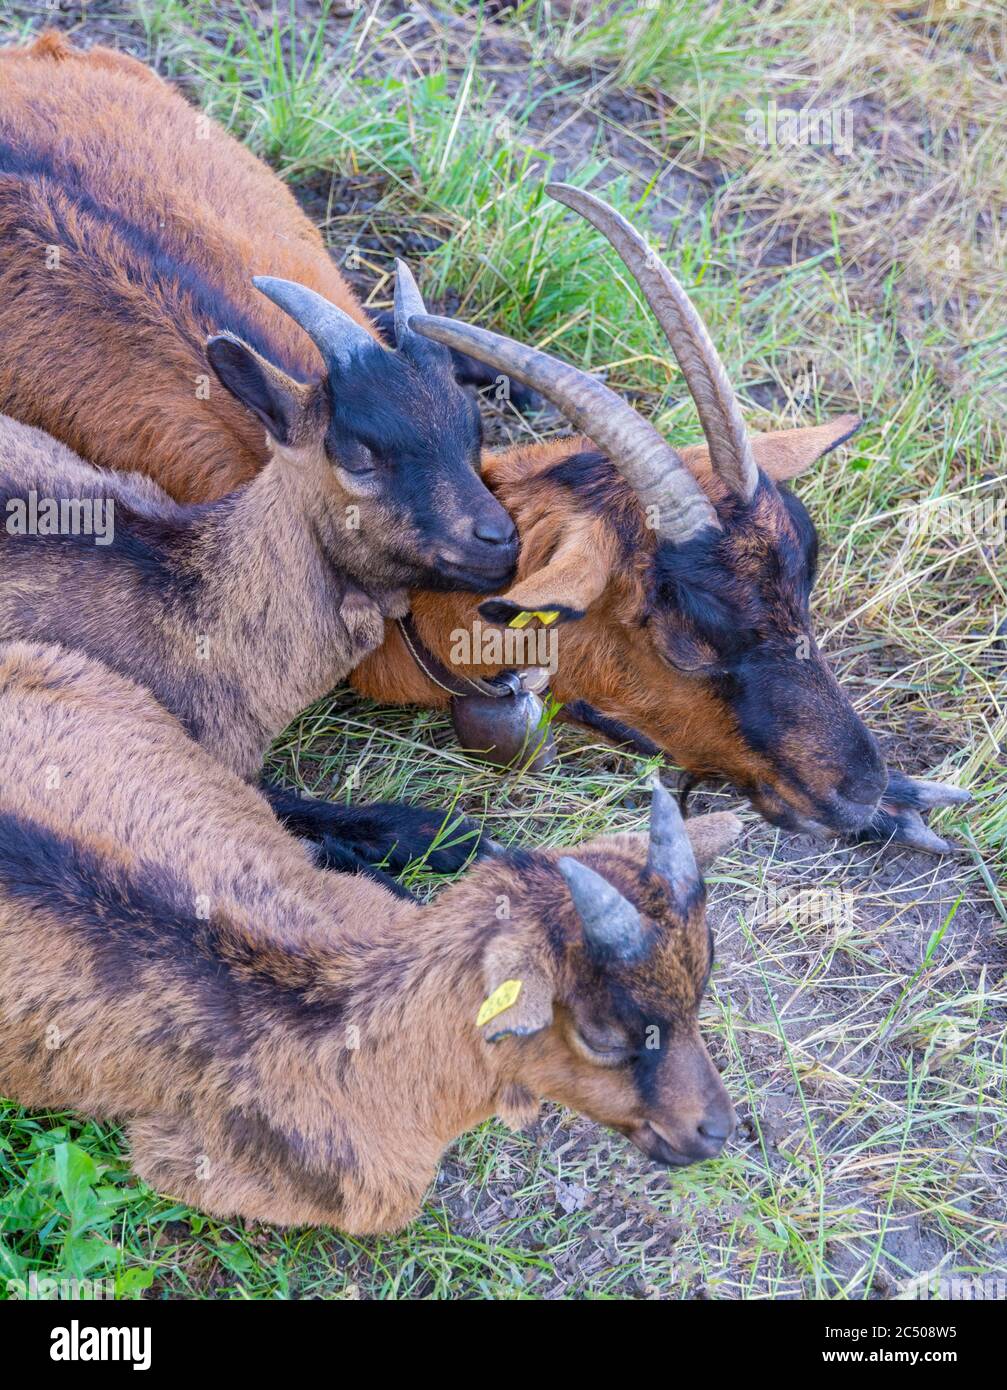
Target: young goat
287 1049
236 614
693 637
131 226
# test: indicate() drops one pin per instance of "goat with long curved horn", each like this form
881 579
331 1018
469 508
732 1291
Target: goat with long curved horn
336 336
408 300
647 461
730 450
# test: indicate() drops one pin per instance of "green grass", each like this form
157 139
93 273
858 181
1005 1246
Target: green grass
866 1055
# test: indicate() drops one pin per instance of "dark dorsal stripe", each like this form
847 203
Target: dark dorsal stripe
215 309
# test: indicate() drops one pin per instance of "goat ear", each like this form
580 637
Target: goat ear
783 454
557 581
712 834
266 391
519 991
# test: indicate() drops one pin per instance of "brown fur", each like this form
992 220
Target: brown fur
609 650
220 209
131 227
283 1044
236 616
612 654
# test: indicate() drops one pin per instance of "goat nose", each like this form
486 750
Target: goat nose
717 1130
496 530
717 1125
865 786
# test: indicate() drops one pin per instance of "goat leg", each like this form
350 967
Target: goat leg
384 832
898 819
339 858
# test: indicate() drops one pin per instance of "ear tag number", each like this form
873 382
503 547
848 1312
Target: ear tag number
545 616
502 998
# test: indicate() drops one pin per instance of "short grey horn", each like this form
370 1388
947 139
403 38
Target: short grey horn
671 854
611 924
408 300
336 336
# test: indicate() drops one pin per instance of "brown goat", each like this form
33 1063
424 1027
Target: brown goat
694 638
297 1047
132 228
236 614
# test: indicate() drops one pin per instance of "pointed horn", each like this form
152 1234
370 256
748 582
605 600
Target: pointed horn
719 413
336 336
612 925
671 855
408 300
648 463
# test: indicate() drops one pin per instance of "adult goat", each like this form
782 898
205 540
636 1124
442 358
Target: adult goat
691 636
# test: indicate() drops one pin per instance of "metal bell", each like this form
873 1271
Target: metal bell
504 730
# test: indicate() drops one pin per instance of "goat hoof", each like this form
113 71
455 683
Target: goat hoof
921 794
914 833
898 820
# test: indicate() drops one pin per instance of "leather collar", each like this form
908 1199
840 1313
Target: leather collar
495 687
507 683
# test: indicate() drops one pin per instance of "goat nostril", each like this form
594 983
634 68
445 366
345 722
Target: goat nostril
495 532
864 789
717 1131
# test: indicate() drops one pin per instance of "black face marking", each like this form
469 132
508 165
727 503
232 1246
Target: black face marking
402 426
802 566
733 610
729 602
648 1026
597 484
402 411
730 608
647 1063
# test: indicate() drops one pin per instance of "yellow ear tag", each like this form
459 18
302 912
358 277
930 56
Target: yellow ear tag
502 998
546 617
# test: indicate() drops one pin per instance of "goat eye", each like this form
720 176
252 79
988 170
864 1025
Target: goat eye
359 466
701 668
353 456
608 1051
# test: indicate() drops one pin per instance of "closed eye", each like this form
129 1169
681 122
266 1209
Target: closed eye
359 465
606 1052
702 668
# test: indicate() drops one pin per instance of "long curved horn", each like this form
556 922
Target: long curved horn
670 854
408 300
719 413
611 923
336 336
648 463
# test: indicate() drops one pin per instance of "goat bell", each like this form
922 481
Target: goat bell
505 730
